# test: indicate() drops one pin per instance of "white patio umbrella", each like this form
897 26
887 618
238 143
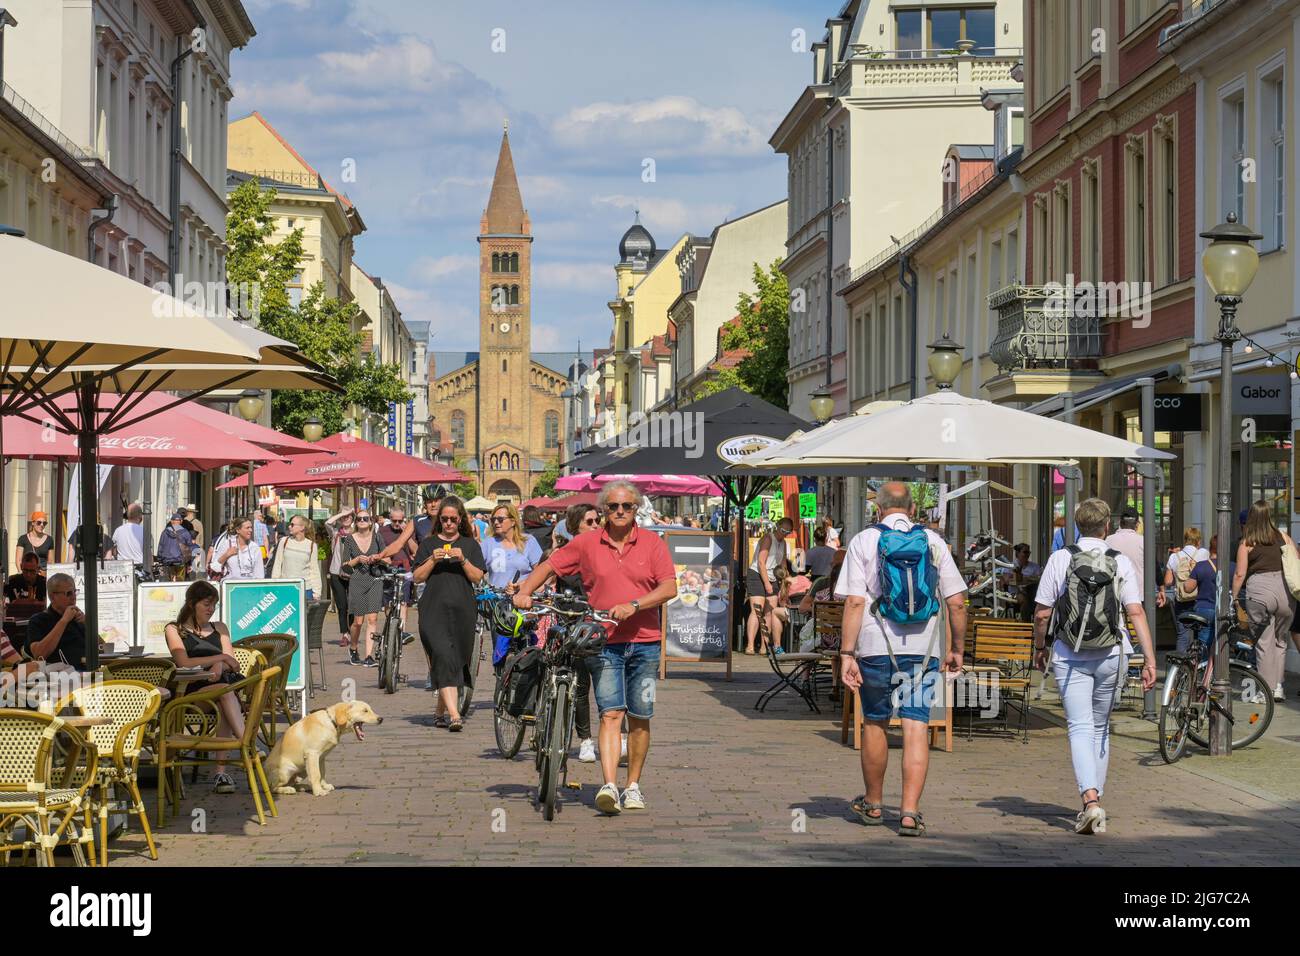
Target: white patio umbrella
948 428
70 327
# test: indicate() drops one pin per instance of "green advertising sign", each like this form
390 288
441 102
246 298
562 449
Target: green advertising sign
808 505
263 606
754 510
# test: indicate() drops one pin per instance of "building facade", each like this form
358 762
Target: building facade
501 407
883 74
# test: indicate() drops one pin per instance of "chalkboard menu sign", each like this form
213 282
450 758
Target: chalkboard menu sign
697 622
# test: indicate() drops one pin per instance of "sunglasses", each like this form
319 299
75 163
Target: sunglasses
591 521
615 507
455 518
40 522
362 518
497 519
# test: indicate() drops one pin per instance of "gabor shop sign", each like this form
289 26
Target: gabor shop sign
1262 394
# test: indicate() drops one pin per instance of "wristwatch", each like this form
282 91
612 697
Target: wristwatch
636 605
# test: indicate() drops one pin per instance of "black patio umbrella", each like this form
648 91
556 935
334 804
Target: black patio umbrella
705 438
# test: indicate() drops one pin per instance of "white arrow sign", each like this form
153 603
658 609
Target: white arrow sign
713 551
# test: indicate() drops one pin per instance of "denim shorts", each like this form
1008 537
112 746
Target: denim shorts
624 677
886 690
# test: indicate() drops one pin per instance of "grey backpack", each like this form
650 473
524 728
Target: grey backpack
1088 614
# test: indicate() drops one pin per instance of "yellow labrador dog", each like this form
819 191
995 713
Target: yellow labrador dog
301 751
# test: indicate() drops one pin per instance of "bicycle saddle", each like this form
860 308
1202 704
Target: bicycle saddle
1191 619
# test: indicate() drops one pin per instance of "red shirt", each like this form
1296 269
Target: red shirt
610 578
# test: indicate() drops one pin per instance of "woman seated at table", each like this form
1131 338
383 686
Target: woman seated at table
195 640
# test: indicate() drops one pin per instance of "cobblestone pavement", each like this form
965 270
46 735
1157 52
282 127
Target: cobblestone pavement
727 785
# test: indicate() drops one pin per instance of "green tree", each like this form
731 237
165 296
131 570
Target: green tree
464 490
764 331
321 326
545 486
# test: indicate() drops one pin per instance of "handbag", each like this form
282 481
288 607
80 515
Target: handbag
1291 566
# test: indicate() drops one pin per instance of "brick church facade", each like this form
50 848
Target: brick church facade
500 408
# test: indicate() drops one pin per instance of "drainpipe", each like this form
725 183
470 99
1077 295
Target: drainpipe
109 207
174 173
905 268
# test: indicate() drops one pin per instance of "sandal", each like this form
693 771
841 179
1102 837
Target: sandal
456 726
863 810
918 825
441 720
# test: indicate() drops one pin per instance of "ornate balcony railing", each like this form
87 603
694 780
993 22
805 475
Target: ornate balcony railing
1039 329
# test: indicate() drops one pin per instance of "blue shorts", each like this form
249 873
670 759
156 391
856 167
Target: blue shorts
886 690
624 676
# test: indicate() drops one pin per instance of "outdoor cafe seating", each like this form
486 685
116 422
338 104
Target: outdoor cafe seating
38 794
278 650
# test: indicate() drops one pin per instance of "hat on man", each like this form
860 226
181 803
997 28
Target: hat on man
191 509
1128 514
178 516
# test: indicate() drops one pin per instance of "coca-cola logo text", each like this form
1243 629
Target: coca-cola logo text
141 443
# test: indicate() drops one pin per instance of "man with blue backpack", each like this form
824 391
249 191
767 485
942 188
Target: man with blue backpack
903 595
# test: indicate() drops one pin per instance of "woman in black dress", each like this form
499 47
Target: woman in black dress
449 564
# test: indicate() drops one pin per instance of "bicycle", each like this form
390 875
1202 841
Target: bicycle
1188 702
389 651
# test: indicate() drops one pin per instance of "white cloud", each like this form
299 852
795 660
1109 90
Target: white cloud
547 338
670 126
429 268
576 276
667 218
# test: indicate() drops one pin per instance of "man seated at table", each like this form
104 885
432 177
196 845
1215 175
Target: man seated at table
57 635
27 587
1021 579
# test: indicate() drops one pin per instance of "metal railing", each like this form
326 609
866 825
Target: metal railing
1193 13
865 51
1039 329
37 119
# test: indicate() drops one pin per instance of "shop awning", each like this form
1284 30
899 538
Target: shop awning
1054 406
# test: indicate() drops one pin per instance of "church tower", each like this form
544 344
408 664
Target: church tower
505 428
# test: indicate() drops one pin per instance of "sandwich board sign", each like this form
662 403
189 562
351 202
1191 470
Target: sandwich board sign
269 606
696 624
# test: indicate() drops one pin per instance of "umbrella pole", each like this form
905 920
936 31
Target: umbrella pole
147 505
88 441
60 533
252 490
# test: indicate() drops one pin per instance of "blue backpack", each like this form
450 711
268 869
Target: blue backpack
909 579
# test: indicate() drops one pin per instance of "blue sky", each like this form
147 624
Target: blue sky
414 93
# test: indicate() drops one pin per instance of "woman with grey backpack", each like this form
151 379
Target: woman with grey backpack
1085 591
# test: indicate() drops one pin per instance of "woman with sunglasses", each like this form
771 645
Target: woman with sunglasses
361 556
35 541
510 555
340 526
449 564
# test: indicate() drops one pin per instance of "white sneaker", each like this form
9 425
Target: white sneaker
1091 820
1278 694
607 799
632 799
587 751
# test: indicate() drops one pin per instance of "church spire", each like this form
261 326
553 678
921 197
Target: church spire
505 209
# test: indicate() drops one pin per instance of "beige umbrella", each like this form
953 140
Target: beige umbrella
69 326
479 503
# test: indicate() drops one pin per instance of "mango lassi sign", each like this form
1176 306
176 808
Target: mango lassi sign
268 607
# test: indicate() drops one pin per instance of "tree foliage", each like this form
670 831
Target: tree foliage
464 490
545 486
763 330
321 326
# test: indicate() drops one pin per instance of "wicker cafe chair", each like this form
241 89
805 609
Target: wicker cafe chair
251 660
30 796
175 739
278 649
155 671
132 705
317 612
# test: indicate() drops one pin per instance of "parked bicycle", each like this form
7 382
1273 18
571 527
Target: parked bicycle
1188 702
389 651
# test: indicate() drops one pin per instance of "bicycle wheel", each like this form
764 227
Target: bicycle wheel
390 654
1176 716
1252 707
508 728
552 751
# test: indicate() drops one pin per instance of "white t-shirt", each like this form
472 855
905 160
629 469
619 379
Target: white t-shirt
1052 585
128 542
860 577
247 563
1192 551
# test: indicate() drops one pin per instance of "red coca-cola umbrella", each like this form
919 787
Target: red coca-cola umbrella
350 461
169 439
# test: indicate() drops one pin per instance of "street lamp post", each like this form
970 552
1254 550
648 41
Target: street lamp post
945 362
312 430
1229 262
250 409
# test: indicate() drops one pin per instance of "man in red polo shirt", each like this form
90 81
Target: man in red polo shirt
627 572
